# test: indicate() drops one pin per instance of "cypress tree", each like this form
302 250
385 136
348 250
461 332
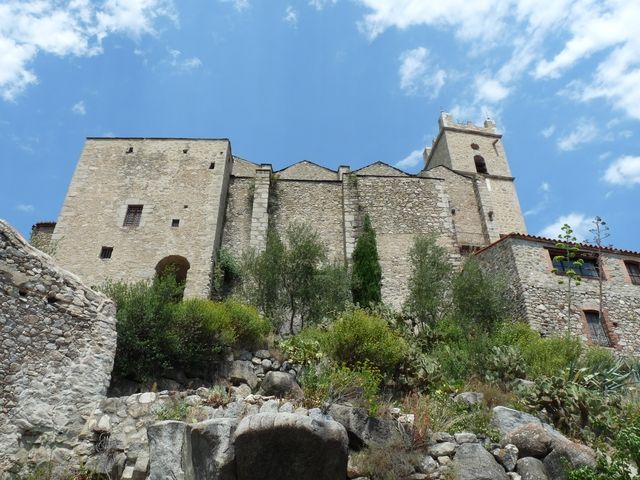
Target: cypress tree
366 278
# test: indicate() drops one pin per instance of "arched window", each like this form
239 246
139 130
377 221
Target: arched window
481 166
175 264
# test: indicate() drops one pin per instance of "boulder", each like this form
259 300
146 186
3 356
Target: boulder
212 452
444 449
169 451
505 420
506 456
531 468
465 437
531 439
469 398
241 371
473 462
280 384
428 465
364 430
286 445
566 456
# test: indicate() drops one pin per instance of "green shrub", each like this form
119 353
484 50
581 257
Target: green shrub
146 341
176 410
505 365
204 329
249 326
541 356
597 359
328 384
305 348
203 332
479 300
359 337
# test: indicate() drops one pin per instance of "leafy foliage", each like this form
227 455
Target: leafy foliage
292 278
430 281
146 342
329 383
479 301
157 332
359 337
366 279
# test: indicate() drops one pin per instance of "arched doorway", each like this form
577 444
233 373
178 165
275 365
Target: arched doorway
175 264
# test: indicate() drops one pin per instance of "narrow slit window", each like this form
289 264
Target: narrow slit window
596 329
175 222
106 252
133 216
212 165
129 150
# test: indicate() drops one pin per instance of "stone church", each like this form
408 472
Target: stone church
136 205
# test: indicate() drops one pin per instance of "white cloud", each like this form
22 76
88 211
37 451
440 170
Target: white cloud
291 16
579 222
25 208
585 132
547 132
320 4
543 201
183 64
239 5
412 160
79 108
490 90
624 171
65 28
416 78
544 42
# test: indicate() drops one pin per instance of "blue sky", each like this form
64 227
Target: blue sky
335 82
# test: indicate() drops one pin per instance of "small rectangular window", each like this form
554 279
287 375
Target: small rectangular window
129 150
633 269
596 329
212 165
105 252
175 222
133 215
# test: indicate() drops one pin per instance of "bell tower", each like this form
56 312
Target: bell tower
476 155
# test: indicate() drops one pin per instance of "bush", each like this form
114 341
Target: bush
146 341
328 384
541 356
480 300
359 337
205 329
305 348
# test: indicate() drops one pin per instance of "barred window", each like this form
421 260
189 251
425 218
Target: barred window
596 329
106 252
132 218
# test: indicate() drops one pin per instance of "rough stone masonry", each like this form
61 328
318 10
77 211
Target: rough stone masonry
57 346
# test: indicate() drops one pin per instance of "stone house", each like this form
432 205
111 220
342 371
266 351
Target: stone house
526 262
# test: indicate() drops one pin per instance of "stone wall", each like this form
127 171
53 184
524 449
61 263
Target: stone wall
316 203
173 179
400 209
542 301
57 345
464 207
236 234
